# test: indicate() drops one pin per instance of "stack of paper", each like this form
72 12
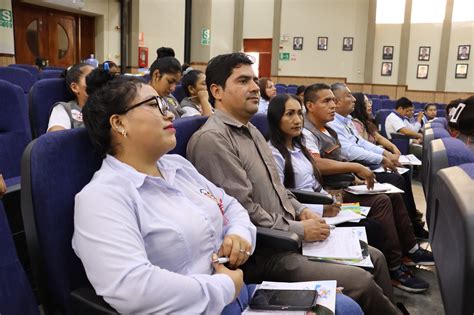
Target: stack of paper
409 159
331 246
379 188
326 302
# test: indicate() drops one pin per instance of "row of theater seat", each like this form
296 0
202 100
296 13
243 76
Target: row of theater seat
447 177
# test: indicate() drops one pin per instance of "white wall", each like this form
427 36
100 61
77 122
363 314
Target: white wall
334 19
424 35
462 33
222 27
386 35
258 18
162 23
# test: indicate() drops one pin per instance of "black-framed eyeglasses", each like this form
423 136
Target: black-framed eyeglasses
155 102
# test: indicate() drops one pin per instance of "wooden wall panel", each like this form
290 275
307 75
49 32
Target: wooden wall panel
5 60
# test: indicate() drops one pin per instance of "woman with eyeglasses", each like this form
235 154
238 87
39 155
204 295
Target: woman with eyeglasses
148 227
196 102
365 123
267 92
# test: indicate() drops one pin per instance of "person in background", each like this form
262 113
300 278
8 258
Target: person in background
450 111
164 52
365 123
196 102
267 91
110 66
463 118
68 115
297 169
148 227
165 73
300 93
40 63
429 113
398 120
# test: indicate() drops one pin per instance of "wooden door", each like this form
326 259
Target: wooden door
31 34
62 39
50 34
264 47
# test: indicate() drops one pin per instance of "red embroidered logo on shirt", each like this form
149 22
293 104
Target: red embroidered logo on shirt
218 202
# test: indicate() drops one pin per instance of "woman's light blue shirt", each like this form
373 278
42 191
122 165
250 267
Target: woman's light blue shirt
146 242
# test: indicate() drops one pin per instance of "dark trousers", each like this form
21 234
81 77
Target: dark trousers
389 210
404 183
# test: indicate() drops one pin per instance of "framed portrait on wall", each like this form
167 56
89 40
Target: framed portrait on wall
461 70
347 43
297 43
386 69
463 52
387 53
322 43
424 53
422 71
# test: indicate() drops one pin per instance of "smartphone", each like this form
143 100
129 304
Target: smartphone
298 300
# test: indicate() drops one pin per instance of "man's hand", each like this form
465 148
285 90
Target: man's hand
237 275
315 229
307 214
419 117
331 210
236 248
367 174
394 159
388 164
3 186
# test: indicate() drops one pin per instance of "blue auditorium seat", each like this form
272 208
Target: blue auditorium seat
178 93
44 94
389 104
441 113
49 74
442 153
185 128
291 89
16 296
32 69
14 131
380 118
376 105
18 76
260 121
384 97
418 105
280 88
54 68
452 237
430 134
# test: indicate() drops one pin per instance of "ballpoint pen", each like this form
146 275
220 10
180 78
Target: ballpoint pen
221 260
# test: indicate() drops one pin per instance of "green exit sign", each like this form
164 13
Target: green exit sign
6 18
284 56
205 36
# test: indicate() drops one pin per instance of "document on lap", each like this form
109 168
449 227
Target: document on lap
359 231
379 188
342 243
409 159
326 296
400 170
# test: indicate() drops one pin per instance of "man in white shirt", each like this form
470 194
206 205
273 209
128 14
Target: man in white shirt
398 120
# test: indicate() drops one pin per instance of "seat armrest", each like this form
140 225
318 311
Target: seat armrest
86 301
304 196
276 239
397 135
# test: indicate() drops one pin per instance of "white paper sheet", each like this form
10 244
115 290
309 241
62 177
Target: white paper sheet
379 188
409 159
401 170
343 216
342 243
